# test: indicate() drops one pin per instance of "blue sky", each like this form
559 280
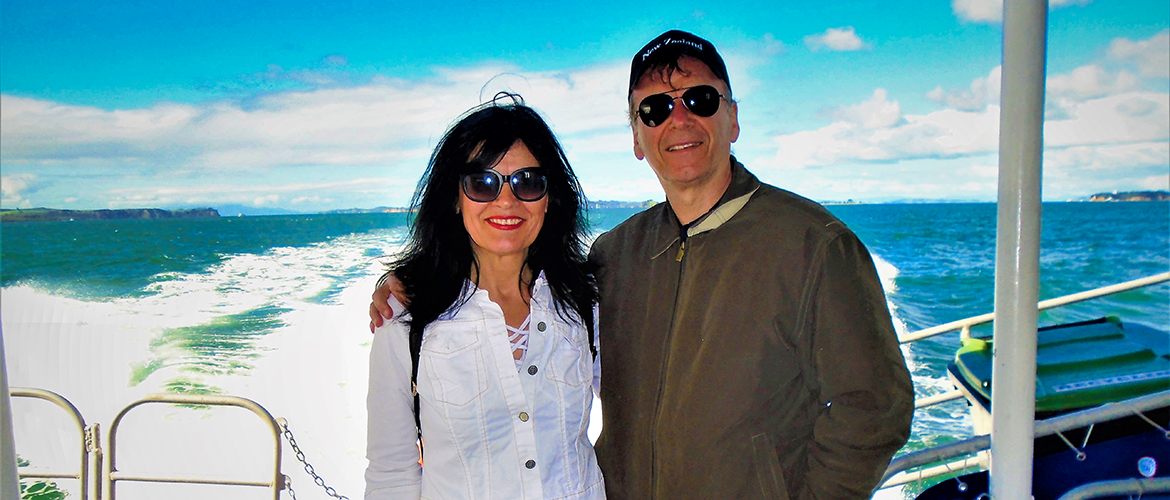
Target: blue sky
310 106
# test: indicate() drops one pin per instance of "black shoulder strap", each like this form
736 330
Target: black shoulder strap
415 340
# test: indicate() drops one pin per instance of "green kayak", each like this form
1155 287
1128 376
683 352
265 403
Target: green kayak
1078 365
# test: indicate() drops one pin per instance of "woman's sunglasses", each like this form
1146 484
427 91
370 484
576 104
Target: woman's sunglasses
702 100
528 184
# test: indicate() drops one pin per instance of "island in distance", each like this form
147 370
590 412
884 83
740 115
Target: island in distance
1132 196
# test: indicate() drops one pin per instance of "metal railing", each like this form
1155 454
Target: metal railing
102 481
1128 487
896 473
90 453
112 475
964 325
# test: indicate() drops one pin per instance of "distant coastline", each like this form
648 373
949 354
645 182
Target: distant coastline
1132 196
52 214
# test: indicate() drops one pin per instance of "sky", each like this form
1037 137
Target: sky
315 106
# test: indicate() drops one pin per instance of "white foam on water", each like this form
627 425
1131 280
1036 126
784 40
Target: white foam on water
927 422
311 371
888 275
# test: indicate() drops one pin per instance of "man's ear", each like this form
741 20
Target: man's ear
734 121
638 153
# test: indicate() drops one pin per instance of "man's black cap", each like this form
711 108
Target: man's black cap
669 47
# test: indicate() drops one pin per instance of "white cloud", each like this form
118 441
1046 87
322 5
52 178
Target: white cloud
584 101
1064 91
45 130
1122 118
1151 56
380 123
619 141
877 112
1155 182
978 10
838 39
1106 158
771 46
1079 171
991 11
315 200
256 194
991 171
944 133
14 187
867 131
1087 82
982 92
269 200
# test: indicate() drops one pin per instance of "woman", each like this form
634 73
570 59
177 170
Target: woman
501 318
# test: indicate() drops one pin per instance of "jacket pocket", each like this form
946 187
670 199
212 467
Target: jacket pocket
570 363
454 360
768 471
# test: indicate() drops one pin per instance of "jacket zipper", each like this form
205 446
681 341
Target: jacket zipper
664 372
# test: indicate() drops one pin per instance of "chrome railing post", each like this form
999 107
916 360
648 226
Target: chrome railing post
83 475
111 474
1017 249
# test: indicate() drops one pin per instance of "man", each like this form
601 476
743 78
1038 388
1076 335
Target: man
747 350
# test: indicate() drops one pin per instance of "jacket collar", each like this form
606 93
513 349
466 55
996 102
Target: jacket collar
743 185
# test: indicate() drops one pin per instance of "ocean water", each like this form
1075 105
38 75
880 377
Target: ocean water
274 309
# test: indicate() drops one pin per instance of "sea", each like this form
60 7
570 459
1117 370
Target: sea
274 309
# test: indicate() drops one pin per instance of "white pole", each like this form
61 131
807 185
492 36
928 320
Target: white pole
1017 252
8 479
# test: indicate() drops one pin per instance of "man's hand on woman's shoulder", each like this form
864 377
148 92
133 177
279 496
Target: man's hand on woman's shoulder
380 310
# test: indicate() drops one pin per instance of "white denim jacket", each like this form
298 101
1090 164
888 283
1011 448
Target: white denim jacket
489 430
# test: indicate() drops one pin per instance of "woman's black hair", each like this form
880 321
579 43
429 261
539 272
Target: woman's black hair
438 258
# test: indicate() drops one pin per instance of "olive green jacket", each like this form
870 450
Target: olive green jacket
756 360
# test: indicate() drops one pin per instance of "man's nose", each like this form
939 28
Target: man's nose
679 114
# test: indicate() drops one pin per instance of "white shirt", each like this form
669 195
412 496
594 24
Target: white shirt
489 430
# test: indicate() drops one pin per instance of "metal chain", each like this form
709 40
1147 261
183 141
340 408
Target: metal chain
288 486
308 468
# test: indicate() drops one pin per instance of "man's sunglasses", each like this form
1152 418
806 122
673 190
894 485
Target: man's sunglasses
528 184
702 100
